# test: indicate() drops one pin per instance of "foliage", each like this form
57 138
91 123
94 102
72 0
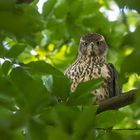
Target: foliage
36 48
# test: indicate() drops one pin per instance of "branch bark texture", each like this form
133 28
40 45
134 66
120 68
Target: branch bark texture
116 102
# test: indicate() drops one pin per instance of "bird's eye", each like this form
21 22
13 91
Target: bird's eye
98 42
85 43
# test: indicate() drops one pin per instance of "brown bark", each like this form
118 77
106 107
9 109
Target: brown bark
116 102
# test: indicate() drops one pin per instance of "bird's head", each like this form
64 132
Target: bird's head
93 44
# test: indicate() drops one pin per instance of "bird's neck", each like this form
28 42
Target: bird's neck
100 60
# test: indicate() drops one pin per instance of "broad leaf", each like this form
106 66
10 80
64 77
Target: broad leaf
109 118
42 67
6 66
32 90
83 94
15 50
48 7
85 122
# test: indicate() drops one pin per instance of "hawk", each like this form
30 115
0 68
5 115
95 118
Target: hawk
91 64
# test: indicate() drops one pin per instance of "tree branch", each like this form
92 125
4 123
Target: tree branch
116 102
23 1
118 129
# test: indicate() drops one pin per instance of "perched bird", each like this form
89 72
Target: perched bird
91 64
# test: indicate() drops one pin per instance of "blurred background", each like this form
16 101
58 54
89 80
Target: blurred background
38 41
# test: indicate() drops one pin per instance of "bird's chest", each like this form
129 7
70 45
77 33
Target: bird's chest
88 71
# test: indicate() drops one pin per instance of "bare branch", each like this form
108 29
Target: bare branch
116 102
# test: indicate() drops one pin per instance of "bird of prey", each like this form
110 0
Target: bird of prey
91 64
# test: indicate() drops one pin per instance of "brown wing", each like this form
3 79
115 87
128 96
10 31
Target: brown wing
113 86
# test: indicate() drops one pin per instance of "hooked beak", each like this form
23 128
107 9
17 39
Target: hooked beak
93 46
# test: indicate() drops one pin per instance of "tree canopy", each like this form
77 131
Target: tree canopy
35 49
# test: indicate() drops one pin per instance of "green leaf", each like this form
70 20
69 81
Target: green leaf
42 67
89 6
132 41
36 130
57 132
84 99
6 88
88 86
7 4
85 123
55 88
15 50
48 7
66 117
60 31
58 85
112 135
7 102
33 91
130 4
5 121
129 61
61 87
83 94
61 116
61 9
109 118
6 66
17 22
